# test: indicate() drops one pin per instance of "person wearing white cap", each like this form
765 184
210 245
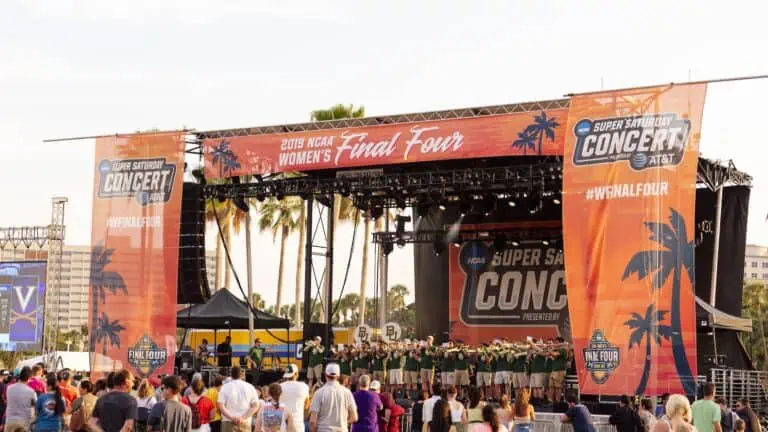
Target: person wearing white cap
333 408
295 396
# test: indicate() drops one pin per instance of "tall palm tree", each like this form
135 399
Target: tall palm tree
107 331
257 302
526 140
396 297
302 222
102 281
675 256
543 126
339 112
224 158
647 327
279 217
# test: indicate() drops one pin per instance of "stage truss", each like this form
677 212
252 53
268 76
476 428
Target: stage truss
51 239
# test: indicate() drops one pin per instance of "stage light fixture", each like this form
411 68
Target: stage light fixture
515 243
387 247
241 203
511 202
545 242
456 243
441 206
400 224
400 242
556 200
438 247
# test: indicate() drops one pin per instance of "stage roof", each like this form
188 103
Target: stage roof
225 311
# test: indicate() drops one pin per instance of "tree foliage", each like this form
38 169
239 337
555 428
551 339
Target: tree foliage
755 307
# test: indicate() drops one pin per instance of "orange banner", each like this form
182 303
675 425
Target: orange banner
524 133
135 245
628 223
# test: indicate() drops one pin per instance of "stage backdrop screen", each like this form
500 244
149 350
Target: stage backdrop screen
22 305
135 253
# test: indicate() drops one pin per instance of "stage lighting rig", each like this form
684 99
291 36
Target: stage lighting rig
400 222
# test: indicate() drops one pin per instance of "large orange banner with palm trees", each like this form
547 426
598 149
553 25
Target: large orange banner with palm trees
135 245
522 133
628 221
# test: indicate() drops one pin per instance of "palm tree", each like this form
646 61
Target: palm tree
107 331
223 156
279 217
676 255
302 222
542 126
102 281
396 297
257 302
341 204
647 327
526 140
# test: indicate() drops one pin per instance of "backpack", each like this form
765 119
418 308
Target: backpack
195 413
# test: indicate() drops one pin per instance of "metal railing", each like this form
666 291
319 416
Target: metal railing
736 384
546 422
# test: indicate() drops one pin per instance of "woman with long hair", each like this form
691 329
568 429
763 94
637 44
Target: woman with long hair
523 413
678 416
441 418
82 407
145 400
197 402
50 408
476 405
491 422
504 411
272 416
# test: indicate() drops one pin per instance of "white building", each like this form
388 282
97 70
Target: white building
75 275
756 264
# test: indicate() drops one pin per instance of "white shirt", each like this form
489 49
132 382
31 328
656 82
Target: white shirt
457 409
295 395
426 410
237 396
21 402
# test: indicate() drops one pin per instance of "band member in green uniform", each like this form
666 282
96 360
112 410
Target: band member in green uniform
314 349
461 370
411 377
446 369
344 358
557 376
539 375
427 364
501 377
379 364
519 373
483 366
395 366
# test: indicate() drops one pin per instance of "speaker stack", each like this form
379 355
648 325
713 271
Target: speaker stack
193 280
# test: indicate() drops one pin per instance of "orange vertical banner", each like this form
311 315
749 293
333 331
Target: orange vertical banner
135 246
629 186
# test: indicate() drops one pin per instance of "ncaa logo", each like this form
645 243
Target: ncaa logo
474 257
104 166
583 128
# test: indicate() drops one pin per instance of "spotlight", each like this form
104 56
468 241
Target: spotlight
456 243
545 242
438 247
400 242
511 202
387 247
514 243
400 224
556 200
442 205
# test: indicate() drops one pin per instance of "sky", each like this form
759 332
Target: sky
90 67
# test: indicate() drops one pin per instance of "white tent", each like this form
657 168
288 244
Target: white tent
77 361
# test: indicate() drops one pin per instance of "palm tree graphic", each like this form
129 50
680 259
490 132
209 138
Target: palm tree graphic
676 255
223 157
526 140
647 327
102 281
542 126
107 331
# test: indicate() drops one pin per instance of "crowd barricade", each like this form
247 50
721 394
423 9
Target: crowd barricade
545 422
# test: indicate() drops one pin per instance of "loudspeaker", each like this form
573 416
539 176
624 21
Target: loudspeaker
193 279
311 330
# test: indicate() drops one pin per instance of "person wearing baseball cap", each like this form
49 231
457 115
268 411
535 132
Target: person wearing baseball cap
333 407
295 396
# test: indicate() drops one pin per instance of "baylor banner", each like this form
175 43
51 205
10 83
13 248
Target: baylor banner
134 264
628 223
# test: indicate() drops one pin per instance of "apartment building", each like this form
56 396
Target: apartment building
756 264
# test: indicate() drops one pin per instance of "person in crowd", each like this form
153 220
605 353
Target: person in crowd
145 401
429 406
36 382
646 414
201 354
50 408
295 396
727 416
238 403
706 413
110 381
68 391
559 362
116 410
213 395
504 410
315 351
625 418
170 415
4 378
441 420
224 353
333 407
475 407
578 416
82 407
740 426
255 355
390 422
417 420
383 412
523 412
539 375
201 407
20 399
458 413
661 407
100 388
746 413
490 423
368 405
273 416
677 416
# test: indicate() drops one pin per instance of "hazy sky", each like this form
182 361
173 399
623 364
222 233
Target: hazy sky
73 68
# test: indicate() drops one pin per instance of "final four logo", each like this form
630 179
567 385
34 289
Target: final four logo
146 356
601 357
149 180
644 141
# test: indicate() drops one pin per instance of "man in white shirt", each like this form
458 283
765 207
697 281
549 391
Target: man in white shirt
429 405
238 403
295 396
20 403
333 407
